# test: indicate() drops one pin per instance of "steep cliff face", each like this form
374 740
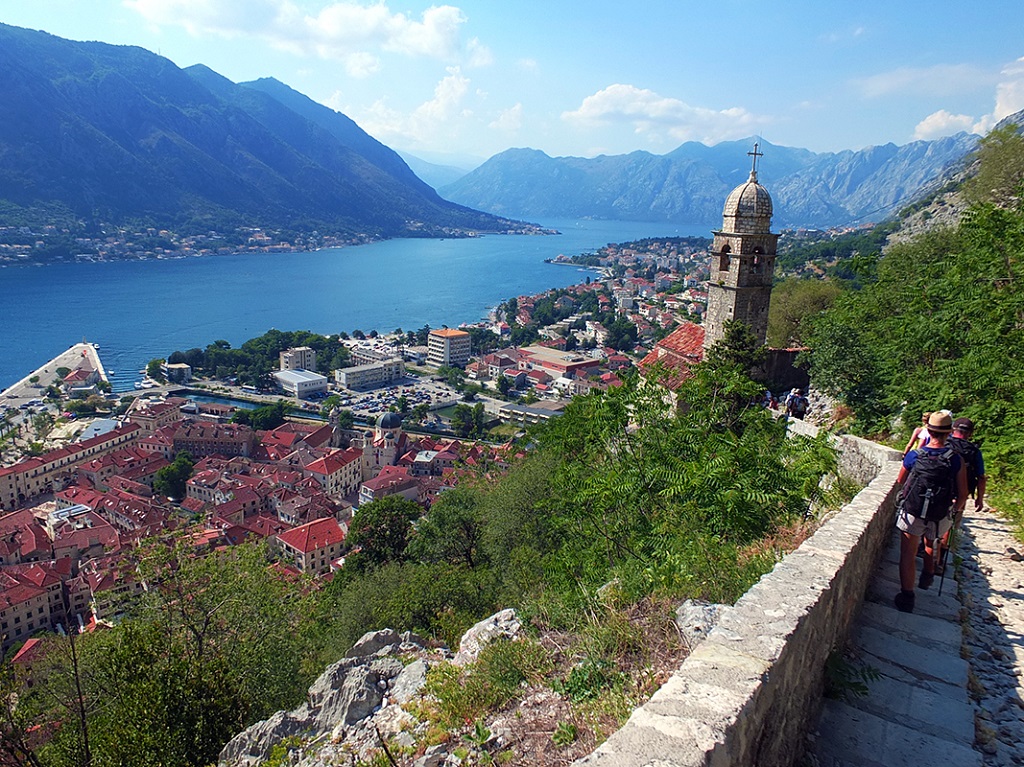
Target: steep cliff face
942 202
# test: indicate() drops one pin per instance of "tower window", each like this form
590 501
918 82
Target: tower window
723 259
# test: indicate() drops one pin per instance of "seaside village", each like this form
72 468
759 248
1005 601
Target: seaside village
74 515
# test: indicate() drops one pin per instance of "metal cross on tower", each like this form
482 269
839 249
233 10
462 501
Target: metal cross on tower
755 154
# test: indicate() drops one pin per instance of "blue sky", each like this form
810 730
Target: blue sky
473 78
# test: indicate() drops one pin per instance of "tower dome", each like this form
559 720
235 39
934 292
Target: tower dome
389 421
748 200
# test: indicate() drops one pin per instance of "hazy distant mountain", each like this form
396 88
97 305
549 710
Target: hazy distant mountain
112 133
689 184
434 174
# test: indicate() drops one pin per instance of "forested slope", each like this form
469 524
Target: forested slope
938 322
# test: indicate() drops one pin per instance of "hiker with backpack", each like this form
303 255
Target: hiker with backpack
934 480
796 404
960 441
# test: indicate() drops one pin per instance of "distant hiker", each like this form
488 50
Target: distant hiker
960 441
796 404
934 481
920 436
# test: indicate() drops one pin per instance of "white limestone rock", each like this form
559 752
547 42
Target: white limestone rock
504 624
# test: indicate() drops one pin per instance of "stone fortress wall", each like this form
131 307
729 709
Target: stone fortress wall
747 694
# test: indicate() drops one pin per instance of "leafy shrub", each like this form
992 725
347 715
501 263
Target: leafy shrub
497 676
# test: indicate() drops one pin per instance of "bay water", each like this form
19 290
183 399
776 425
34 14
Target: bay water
138 310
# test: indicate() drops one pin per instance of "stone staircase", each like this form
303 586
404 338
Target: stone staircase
917 711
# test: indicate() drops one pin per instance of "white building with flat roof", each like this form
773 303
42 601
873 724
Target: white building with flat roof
372 375
448 347
298 358
300 384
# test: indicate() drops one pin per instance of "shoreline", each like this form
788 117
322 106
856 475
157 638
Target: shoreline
67 359
178 255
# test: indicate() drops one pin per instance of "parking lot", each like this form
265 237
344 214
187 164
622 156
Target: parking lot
373 403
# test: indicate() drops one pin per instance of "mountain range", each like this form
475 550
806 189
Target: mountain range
689 184
101 133
119 134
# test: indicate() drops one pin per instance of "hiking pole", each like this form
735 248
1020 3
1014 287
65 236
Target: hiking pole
944 556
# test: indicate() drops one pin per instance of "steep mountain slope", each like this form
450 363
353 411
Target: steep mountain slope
688 184
119 134
434 174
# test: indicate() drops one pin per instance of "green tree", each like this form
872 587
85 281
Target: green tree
1000 157
738 347
381 530
795 303
346 419
212 646
504 384
453 376
170 480
263 418
462 420
451 530
479 418
329 404
153 370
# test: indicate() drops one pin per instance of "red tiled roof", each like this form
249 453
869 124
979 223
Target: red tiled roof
676 353
30 652
318 534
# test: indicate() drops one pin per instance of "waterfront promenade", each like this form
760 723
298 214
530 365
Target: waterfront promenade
77 356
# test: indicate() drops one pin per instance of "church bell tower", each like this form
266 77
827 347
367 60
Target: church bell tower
742 261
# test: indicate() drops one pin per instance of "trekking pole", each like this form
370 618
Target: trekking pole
945 556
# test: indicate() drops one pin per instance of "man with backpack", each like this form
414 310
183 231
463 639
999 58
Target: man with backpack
934 480
960 441
796 404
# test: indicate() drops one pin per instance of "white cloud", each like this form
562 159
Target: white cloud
429 121
361 64
528 65
1010 91
661 117
942 123
1009 98
479 54
843 34
338 30
940 80
510 120
220 17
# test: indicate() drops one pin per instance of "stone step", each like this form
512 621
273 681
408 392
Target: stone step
949 716
909 662
923 630
849 736
885 584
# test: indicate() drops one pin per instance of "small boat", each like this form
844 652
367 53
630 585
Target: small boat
138 384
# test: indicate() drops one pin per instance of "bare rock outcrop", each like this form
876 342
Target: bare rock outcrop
345 695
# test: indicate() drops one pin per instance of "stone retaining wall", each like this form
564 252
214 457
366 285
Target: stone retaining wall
746 695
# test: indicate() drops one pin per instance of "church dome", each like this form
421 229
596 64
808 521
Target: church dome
389 421
748 200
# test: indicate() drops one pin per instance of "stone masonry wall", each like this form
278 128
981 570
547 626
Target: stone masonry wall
746 695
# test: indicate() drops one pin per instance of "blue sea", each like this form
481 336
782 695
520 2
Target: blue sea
138 310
